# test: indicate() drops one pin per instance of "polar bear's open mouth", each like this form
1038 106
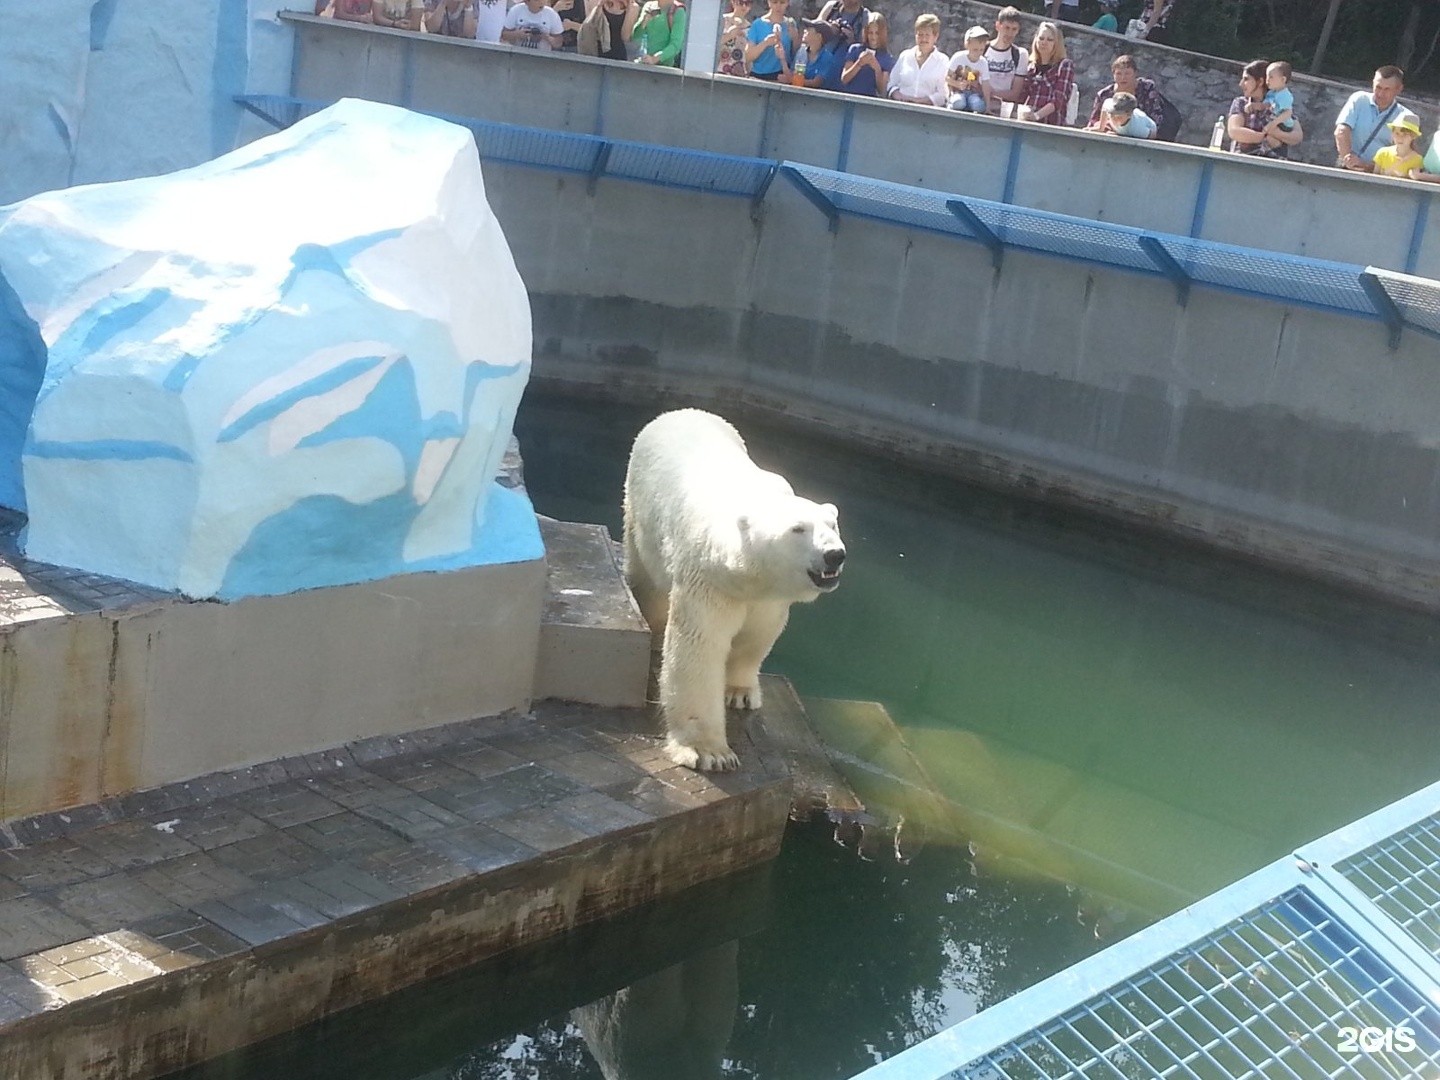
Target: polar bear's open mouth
825 580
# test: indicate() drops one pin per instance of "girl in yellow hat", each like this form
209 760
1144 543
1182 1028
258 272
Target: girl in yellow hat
1400 159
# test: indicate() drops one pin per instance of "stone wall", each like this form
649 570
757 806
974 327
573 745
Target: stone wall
1202 86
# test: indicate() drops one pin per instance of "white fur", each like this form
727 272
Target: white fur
716 551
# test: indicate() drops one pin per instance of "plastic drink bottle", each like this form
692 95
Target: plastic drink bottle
801 59
1217 135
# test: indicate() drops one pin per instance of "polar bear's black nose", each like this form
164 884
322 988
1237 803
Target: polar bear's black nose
833 558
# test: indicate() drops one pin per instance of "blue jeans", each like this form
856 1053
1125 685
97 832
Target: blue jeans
968 101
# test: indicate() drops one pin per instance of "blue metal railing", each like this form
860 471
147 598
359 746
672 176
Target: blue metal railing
1398 300
1323 964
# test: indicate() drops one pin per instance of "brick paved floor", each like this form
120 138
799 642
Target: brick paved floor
101 897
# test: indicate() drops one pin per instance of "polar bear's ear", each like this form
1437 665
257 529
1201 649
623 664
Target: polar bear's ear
831 509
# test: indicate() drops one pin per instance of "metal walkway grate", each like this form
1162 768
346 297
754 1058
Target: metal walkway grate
1323 964
1400 301
1256 999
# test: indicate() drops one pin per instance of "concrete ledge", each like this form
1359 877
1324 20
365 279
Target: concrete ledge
594 644
111 688
161 938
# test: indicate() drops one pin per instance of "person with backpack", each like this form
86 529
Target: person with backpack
660 30
1147 95
1008 64
1051 84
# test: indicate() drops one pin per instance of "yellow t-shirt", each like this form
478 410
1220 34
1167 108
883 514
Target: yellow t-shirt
1388 162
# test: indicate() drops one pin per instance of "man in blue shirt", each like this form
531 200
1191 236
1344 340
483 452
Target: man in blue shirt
1361 129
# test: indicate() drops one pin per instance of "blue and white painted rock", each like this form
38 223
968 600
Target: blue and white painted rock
296 365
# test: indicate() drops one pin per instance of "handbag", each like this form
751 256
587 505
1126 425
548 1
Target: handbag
1135 28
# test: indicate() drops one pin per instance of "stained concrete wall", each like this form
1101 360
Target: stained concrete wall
1302 210
1288 435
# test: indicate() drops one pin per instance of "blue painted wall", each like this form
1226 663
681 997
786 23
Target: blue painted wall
98 90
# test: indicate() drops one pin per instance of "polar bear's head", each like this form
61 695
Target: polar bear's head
794 545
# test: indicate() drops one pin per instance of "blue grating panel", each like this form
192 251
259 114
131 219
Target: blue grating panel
1267 995
1068 237
1400 875
534 147
896 204
1417 299
695 170
1268 274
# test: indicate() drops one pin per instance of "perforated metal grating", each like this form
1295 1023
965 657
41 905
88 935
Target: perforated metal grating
1271 995
895 204
1417 299
1068 237
1266 273
535 148
1398 875
695 170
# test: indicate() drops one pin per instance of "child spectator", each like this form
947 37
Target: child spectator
1052 78
821 61
868 62
1279 97
849 17
1009 64
1124 117
1107 20
489 19
1401 159
607 28
450 18
969 75
398 14
919 73
661 32
532 25
732 39
772 39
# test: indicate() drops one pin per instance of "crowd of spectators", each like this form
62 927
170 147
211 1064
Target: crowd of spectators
847 48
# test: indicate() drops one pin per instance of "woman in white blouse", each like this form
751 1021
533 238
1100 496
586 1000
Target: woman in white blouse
919 73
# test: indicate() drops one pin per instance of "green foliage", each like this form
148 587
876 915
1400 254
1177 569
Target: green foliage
1367 34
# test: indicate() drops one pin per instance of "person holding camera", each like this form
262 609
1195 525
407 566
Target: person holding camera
533 25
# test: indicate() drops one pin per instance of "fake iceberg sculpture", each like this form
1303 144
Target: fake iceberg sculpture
296 365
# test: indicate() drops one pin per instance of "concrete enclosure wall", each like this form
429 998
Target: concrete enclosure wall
1290 436
1322 213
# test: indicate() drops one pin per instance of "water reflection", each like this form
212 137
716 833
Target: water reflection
809 969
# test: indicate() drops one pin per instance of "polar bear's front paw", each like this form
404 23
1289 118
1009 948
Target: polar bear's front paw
706 759
743 697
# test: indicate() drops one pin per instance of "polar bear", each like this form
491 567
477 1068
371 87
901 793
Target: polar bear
716 551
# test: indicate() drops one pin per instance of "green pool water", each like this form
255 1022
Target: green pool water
1121 726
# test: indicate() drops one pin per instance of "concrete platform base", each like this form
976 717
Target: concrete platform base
111 688
148 933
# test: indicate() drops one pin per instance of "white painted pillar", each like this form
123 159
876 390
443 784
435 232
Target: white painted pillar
702 34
